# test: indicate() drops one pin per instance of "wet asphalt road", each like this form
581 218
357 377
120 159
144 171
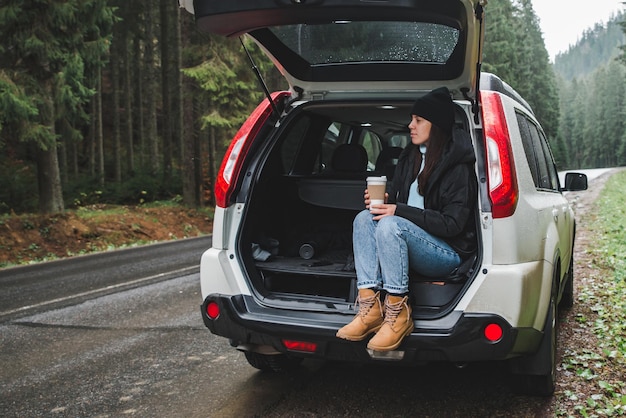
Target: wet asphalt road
141 350
34 287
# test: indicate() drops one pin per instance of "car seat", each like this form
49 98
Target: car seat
349 160
387 161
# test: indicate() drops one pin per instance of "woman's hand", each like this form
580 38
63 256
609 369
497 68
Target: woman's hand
379 211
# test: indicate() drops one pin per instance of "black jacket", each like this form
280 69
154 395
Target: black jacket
450 196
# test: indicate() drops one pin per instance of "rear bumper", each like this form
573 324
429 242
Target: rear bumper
457 338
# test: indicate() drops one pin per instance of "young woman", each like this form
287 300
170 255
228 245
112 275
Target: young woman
427 223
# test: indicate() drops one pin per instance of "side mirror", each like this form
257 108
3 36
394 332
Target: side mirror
575 182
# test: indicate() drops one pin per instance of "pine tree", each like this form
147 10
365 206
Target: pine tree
151 80
566 124
622 48
500 41
613 105
593 104
596 46
515 51
535 79
171 86
229 91
46 48
576 109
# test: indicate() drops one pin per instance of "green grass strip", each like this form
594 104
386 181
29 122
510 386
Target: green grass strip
604 367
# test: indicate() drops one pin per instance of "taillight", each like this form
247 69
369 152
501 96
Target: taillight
239 146
501 175
303 346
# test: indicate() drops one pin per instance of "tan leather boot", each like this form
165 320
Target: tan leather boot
368 320
398 324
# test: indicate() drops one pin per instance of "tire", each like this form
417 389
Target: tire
277 363
537 373
567 299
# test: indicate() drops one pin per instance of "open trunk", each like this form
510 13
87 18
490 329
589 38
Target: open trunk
306 191
305 183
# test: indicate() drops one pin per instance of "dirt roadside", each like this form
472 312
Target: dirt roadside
32 238
575 337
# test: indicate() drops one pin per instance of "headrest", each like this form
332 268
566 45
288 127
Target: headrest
388 156
351 158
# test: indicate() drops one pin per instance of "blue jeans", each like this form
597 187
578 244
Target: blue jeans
384 249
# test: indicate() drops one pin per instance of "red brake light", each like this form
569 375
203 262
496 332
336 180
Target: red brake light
493 333
501 175
239 146
303 346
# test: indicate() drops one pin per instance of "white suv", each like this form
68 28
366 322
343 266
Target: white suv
279 280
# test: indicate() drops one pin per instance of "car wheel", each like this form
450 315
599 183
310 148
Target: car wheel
567 299
536 374
272 362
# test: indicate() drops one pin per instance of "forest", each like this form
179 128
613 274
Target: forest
109 101
592 89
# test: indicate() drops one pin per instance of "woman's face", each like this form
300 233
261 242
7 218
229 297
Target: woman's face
420 130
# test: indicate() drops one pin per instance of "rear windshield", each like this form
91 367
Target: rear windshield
346 41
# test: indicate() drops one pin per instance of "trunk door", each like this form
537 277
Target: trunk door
343 48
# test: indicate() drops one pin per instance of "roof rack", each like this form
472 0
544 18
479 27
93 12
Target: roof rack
489 81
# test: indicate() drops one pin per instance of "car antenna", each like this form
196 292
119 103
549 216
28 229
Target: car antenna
260 78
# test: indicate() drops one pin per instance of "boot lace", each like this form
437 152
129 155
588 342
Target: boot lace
365 305
392 311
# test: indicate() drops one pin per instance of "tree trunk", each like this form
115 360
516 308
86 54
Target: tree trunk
62 155
190 197
49 181
128 100
150 92
99 130
48 173
199 108
139 105
166 81
92 137
177 84
75 171
115 79
188 167
213 167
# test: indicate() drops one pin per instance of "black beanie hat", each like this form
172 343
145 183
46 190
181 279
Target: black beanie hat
437 108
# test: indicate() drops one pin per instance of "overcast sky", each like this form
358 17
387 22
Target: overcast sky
563 21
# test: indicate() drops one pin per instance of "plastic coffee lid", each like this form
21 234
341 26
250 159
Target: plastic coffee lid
381 178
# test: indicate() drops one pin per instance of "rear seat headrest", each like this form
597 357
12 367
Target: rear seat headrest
351 158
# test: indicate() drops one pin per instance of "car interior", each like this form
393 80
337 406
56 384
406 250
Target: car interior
307 193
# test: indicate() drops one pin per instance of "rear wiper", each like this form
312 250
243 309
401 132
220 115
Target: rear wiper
260 78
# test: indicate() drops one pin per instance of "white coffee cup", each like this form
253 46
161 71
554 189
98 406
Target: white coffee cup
376 187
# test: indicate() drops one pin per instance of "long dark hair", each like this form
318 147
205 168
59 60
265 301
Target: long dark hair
437 141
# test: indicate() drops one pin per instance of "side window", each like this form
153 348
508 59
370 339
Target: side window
308 145
339 133
538 155
529 150
552 172
371 143
292 142
544 175
544 162
400 140
332 138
